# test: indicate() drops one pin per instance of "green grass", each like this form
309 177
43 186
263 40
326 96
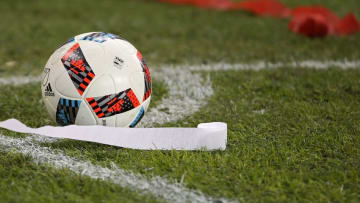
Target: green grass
304 147
23 181
32 30
293 133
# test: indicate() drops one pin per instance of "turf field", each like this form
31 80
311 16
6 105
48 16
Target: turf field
294 130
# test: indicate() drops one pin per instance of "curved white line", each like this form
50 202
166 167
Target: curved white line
187 94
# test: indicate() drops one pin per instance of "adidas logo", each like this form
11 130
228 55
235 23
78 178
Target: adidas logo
48 91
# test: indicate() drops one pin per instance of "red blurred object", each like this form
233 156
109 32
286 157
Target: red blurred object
315 10
347 25
215 4
317 21
310 25
311 21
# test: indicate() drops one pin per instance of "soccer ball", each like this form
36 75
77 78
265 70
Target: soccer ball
96 79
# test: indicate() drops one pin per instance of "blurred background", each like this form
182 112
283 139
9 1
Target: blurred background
166 34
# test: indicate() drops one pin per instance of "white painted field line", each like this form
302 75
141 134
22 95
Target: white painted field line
157 186
187 94
19 80
269 65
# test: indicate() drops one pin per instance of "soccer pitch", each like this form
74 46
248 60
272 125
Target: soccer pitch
291 104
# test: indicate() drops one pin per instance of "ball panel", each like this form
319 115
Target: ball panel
98 37
107 121
61 51
124 50
141 112
128 47
95 56
85 115
65 87
50 109
138 118
100 86
66 112
146 103
78 68
147 77
80 36
117 59
109 105
137 84
126 118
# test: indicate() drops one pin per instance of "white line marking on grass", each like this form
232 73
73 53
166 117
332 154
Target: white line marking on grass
19 80
268 65
187 94
157 186
328 64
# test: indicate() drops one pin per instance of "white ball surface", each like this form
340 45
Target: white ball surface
96 79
